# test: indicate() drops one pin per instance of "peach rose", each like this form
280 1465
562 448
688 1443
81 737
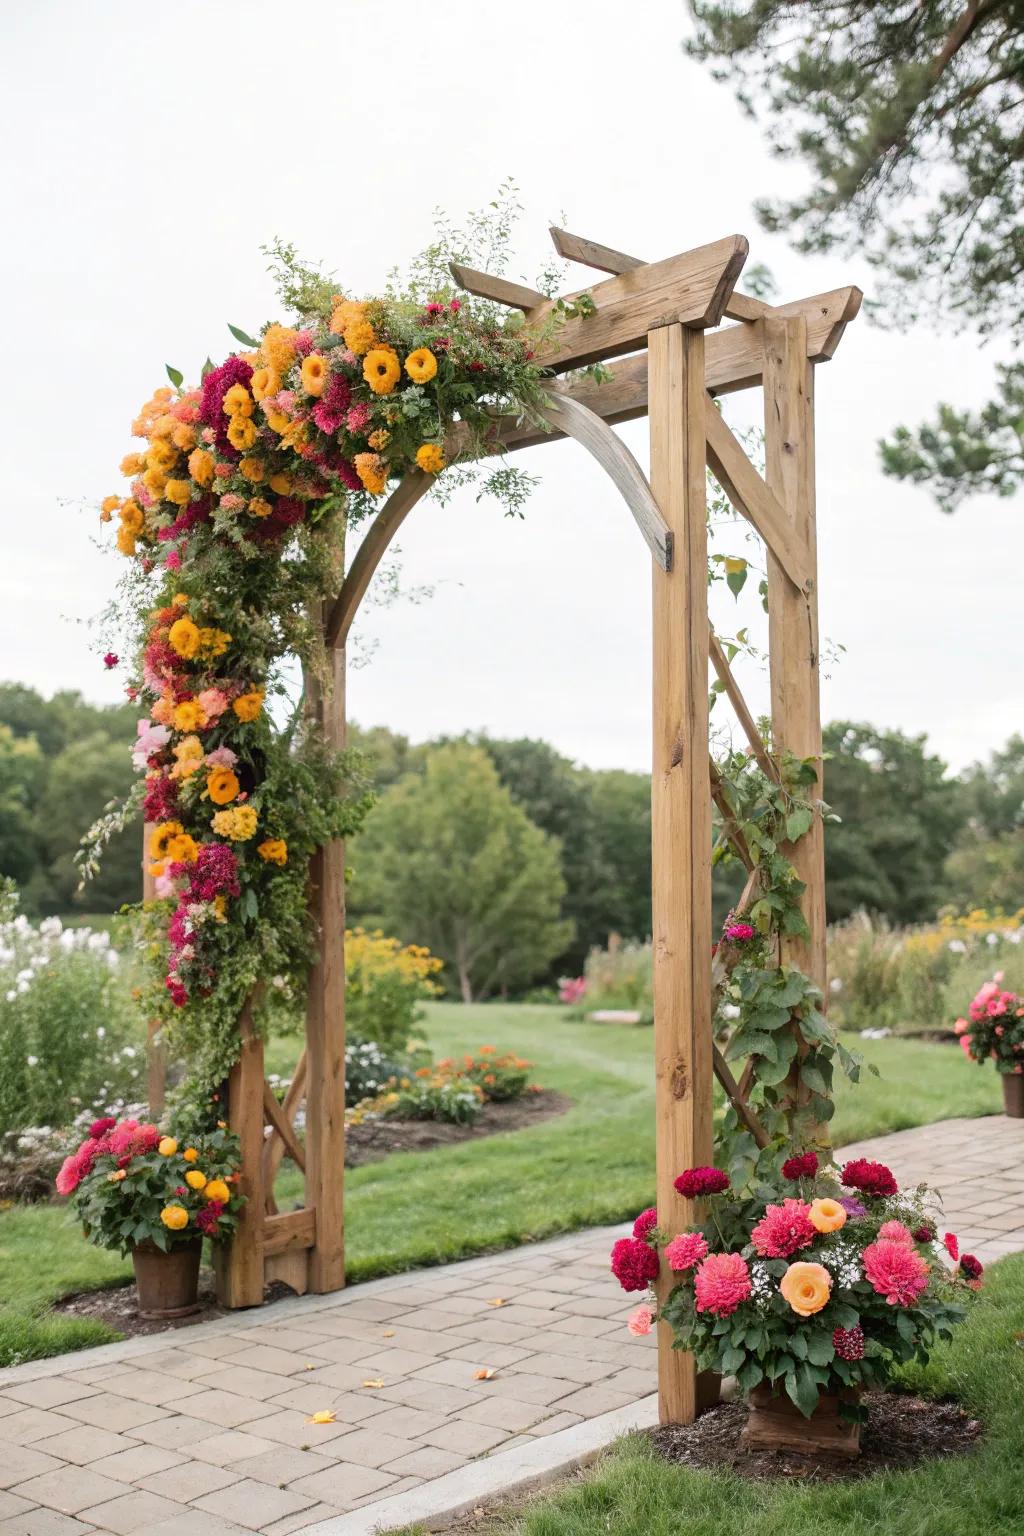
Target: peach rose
639 1322
827 1215
806 1287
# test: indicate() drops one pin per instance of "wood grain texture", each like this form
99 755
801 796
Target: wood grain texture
752 497
680 809
282 1127
743 306
371 551
498 289
240 1261
289 1229
589 253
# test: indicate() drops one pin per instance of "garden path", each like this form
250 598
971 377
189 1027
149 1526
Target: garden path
206 1431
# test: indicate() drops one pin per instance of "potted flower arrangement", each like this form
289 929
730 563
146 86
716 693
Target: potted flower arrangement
806 1289
138 1191
994 1031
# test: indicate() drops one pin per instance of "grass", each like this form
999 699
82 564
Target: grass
632 1492
591 1166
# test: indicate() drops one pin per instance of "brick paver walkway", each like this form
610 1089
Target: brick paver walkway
206 1431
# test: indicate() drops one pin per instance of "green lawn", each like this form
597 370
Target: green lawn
632 1492
593 1165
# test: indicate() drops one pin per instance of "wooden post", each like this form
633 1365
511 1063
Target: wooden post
239 1264
156 1051
325 1022
680 810
792 614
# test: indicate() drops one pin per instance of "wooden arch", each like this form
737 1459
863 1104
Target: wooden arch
661 321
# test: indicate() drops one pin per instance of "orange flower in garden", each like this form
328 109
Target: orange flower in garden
277 421
241 433
314 374
184 637
178 491
827 1215
201 467
237 401
360 336
278 347
184 437
222 785
167 1146
259 506
381 370
371 471
110 504
131 516
216 1189
161 835
174 1217
421 365
806 1287
248 705
182 849
281 483
195 1180
273 851
190 1155
347 312
264 382
430 458
132 464
162 457
251 468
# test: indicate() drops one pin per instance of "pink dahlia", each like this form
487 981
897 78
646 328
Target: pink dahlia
639 1322
101 1126
686 1250
896 1232
694 1182
896 1271
721 1283
872 1178
804 1165
740 933
634 1263
645 1223
784 1229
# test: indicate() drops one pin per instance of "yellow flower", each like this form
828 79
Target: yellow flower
189 715
161 836
184 436
265 382
154 480
216 1189
189 755
360 336
281 483
241 432
278 347
251 468
430 458
161 456
827 1215
381 370
178 491
274 851
125 541
131 516
421 365
222 785
372 472
182 849
248 705
237 401
194 1179
379 439
237 824
314 374
259 506
190 1155
184 637
163 427
175 1217
200 467
213 642
132 464
110 503
806 1287
277 421
167 1146
347 312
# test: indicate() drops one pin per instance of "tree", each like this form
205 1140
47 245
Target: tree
986 869
449 860
911 118
900 816
22 775
83 779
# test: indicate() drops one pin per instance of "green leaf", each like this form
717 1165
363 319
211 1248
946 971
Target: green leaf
798 822
803 1389
820 1349
206 368
812 1078
239 335
175 375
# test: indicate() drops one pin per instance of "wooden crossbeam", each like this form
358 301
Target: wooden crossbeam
590 254
743 306
288 1229
282 1126
498 289
730 827
751 497
720 662
274 1148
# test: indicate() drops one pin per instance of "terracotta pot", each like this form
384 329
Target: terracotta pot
1013 1096
167 1283
775 1423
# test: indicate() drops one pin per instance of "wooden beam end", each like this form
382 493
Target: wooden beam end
727 282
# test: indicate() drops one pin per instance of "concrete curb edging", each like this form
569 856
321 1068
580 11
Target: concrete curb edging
437 1503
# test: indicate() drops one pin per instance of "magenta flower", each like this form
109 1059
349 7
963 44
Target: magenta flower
721 1283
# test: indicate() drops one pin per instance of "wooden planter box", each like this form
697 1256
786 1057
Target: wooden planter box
775 1423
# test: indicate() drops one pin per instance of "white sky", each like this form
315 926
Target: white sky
149 151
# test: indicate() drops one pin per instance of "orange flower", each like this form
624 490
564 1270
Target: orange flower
826 1215
200 467
237 401
184 437
241 432
131 516
222 785
273 851
178 491
371 471
381 369
265 381
132 464
281 483
190 1155
216 1189
174 1217
195 1180
314 374
360 336
806 1287
430 458
421 365
184 637
251 468
259 506
167 1146
248 705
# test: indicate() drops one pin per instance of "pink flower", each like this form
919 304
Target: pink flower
740 932
150 739
111 659
358 418
173 560
220 757
634 1264
784 1229
961 1026
645 1223
231 503
995 1007
686 1250
214 702
639 1322
721 1283
896 1271
965 1044
896 1232
571 989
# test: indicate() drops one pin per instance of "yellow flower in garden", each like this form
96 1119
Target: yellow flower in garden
184 637
190 1155
216 1189
430 458
314 374
184 436
125 541
213 642
252 469
131 516
806 1287
381 370
220 908
826 1215
154 480
278 347
237 401
421 365
182 849
189 757
189 715
241 433
379 439
295 435
274 851
237 824
161 836
161 456
167 1146
163 427
248 705
110 504
259 506
195 1180
222 785
132 464
178 491
264 382
371 471
175 1217
277 421
281 483
360 336
201 467
347 312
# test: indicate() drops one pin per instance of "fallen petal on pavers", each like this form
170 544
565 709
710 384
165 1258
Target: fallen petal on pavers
499 1301
374 1382
324 1416
485 1374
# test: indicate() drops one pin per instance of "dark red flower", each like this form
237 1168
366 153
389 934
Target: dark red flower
101 1126
848 1343
803 1166
924 1234
694 1182
634 1264
645 1223
971 1267
111 659
872 1178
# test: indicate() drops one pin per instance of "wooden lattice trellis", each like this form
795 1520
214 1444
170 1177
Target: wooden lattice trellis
662 320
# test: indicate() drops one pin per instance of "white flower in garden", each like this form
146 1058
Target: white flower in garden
21 923
836 984
23 986
113 959
991 938
957 947
67 940
129 1052
33 1061
100 1033
730 1011
27 975
51 926
12 995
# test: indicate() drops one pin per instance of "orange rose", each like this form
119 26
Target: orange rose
806 1287
826 1215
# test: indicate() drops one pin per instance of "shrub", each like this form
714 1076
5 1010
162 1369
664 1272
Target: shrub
454 1099
368 1071
620 976
384 985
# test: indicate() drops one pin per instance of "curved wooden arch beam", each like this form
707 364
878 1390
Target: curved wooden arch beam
371 552
591 432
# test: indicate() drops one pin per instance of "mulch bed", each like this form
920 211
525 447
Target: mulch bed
377 1139
900 1432
118 1307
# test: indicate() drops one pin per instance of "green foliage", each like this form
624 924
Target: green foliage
454 1100
384 986
368 1071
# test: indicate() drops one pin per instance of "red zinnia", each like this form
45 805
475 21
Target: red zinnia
634 1264
694 1182
872 1178
645 1223
951 1245
803 1166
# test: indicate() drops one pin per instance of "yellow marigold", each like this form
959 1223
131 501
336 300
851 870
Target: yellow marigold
347 312
154 480
430 458
201 467
360 336
381 370
182 849
178 491
189 715
110 503
278 347
259 506
175 1217
237 824
222 785
314 374
248 705
213 642
180 599
167 1146
131 515
125 540
264 382
371 471
194 1179
421 365
252 469
237 401
216 1189
184 637
273 851
241 432
161 836
281 483
161 456
220 908
132 464
379 439
277 421
163 427
184 436
190 1155
189 755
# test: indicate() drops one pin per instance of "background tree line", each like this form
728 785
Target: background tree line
508 859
